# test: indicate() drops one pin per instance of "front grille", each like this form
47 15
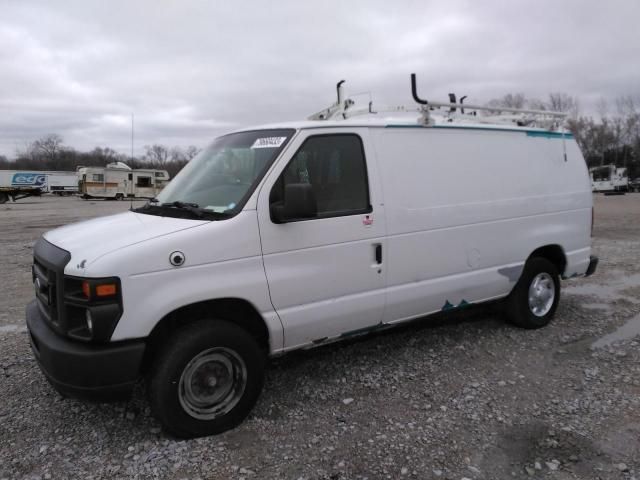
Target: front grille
44 281
48 277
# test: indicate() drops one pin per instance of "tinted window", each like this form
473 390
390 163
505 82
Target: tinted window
335 166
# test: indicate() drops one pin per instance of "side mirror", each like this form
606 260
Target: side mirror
299 203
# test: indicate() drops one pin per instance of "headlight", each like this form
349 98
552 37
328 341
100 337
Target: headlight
92 307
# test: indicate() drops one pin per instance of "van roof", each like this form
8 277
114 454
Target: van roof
409 122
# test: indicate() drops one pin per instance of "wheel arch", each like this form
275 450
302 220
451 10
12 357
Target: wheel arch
236 310
554 253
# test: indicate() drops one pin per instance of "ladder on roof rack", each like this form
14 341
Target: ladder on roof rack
342 109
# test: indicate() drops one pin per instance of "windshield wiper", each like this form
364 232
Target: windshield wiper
192 208
189 207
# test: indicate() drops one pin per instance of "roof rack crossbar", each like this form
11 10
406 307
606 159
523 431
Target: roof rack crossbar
492 108
435 105
341 109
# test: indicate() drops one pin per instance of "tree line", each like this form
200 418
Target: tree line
50 153
611 138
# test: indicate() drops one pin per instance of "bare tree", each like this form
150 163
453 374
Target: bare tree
563 102
157 155
191 151
49 148
537 104
603 108
106 154
510 100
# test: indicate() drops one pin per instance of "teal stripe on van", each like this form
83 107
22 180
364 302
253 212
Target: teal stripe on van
530 133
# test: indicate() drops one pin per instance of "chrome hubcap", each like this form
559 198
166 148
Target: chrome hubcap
212 383
542 293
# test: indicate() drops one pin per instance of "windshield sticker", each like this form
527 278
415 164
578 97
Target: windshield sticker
268 142
216 209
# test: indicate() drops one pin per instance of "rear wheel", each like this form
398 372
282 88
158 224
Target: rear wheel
534 299
119 196
4 198
207 379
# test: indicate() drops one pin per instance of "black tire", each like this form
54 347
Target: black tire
213 342
119 196
3 197
537 313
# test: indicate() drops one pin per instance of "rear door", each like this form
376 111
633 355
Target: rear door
326 274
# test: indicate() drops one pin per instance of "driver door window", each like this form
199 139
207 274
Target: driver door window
334 165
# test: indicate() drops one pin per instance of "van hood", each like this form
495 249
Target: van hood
91 239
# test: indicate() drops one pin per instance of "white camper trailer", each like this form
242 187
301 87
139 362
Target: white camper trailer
118 180
608 178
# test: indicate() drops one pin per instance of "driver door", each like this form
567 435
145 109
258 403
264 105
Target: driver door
326 273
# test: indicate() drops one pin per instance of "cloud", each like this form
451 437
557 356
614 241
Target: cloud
194 69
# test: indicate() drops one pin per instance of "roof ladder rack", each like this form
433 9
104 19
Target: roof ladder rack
342 109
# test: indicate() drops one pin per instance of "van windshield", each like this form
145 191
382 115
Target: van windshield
221 178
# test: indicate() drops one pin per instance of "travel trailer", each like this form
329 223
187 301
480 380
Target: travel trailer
117 181
609 178
294 235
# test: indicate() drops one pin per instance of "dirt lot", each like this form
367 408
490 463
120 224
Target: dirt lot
463 397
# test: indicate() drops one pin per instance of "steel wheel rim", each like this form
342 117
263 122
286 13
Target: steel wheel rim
212 383
542 293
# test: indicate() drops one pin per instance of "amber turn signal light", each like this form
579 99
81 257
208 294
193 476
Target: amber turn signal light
103 290
106 290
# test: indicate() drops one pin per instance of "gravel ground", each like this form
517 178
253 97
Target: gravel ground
464 396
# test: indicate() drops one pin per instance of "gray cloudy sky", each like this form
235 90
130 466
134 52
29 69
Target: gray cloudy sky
191 70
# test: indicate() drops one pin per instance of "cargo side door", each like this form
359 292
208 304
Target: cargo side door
326 274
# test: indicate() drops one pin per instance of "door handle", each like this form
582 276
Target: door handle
378 251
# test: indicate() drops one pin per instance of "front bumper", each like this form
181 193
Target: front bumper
97 371
593 264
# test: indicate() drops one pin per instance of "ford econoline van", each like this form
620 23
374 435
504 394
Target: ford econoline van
290 236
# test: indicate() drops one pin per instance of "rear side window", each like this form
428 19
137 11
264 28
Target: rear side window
335 167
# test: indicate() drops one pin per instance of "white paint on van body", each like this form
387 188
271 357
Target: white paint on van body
453 193
322 274
456 210
223 260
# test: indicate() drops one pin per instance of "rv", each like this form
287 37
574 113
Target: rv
118 180
609 178
294 235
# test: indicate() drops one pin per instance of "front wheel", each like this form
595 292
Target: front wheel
207 379
534 299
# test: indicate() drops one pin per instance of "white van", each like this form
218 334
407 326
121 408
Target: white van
284 237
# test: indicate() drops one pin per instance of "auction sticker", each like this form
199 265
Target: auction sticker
268 142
